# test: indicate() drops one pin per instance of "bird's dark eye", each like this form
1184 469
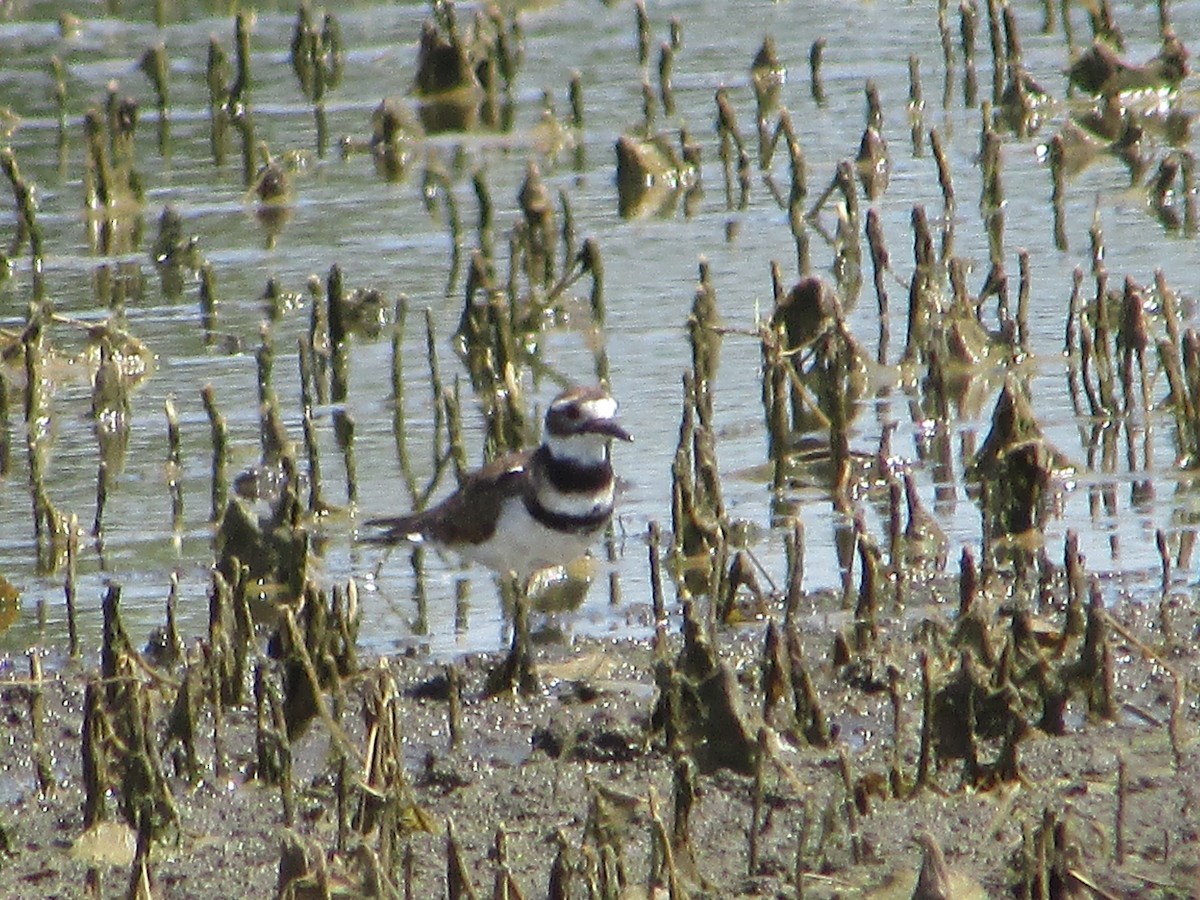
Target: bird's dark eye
572 412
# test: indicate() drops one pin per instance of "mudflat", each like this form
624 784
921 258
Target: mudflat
629 770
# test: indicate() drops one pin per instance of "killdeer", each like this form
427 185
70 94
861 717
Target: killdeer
532 509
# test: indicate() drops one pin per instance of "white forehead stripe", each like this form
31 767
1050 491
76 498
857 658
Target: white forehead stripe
600 408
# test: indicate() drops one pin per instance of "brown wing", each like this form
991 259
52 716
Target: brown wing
468 516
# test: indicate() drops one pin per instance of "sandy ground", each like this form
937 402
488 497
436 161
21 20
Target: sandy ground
578 764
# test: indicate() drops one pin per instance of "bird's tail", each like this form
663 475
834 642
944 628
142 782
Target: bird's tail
393 530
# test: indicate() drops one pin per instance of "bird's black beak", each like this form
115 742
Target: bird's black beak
612 428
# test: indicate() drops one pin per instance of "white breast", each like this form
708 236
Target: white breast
523 545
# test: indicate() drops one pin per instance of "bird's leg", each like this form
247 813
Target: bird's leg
516 672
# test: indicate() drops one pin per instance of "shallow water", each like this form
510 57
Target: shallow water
381 235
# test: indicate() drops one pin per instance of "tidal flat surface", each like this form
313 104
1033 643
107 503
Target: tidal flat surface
1118 767
394 235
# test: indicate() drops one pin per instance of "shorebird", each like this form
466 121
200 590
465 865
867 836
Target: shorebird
532 509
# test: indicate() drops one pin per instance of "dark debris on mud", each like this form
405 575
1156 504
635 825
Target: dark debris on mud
420 784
